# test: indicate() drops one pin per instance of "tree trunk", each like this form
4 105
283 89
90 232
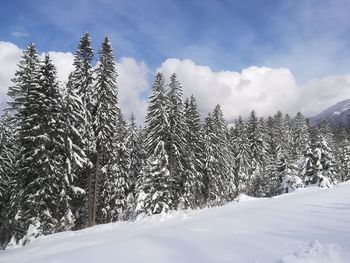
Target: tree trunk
90 197
96 186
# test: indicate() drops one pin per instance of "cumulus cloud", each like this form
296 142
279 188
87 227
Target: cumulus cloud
263 89
64 64
10 54
132 84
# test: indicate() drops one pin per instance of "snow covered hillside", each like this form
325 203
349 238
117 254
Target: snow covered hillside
309 225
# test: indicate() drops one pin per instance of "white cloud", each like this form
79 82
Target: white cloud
263 89
132 84
63 62
10 54
19 34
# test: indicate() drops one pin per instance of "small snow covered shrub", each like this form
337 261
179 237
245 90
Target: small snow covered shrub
290 183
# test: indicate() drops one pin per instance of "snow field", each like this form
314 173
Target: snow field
308 225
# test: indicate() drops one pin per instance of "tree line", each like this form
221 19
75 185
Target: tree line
69 159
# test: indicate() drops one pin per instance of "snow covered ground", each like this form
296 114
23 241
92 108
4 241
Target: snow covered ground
309 225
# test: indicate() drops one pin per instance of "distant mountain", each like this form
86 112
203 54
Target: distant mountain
335 115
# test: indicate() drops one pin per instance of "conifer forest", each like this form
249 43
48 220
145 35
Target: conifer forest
70 158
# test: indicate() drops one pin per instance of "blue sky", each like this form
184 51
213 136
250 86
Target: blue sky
311 38
267 55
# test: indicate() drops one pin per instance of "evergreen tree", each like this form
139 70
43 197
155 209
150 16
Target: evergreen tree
157 118
242 155
81 85
325 172
157 193
218 180
24 80
76 158
175 143
8 152
273 162
134 144
193 154
105 128
257 150
225 169
116 188
342 154
43 201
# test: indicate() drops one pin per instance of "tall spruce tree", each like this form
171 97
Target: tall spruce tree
24 80
193 155
225 168
157 193
241 154
76 159
105 130
157 118
257 150
81 84
218 182
323 154
8 153
342 153
175 144
43 201
117 186
135 145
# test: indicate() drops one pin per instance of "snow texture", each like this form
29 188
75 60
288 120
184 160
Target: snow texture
308 225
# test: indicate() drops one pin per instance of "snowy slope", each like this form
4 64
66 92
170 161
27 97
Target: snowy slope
310 225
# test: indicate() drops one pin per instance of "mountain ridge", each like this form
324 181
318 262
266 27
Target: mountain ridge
337 114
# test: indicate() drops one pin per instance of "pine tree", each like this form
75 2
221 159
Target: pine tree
241 155
281 139
343 154
225 168
323 154
157 118
105 130
257 150
157 193
300 134
271 173
81 85
193 188
175 144
8 152
134 144
300 142
116 187
76 158
218 180
43 201
24 80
